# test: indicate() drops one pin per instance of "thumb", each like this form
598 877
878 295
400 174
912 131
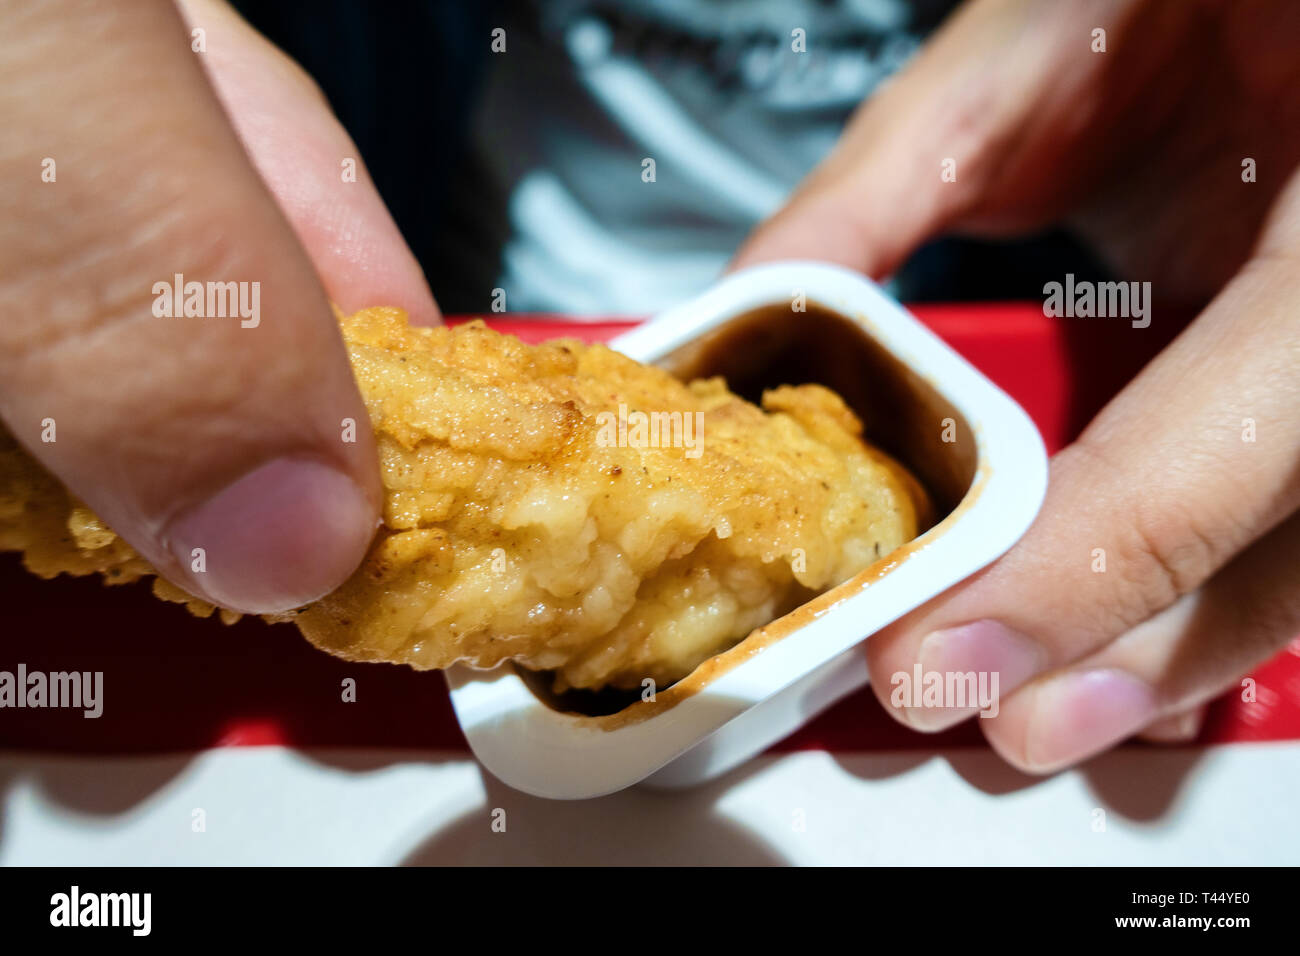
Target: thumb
875 199
974 134
215 443
1164 494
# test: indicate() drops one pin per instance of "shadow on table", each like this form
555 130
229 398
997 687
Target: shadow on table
1126 780
636 827
126 784
645 827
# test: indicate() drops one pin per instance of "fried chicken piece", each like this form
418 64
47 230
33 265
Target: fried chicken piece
558 505
57 534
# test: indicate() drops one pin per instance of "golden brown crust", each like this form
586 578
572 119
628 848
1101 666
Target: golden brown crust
520 523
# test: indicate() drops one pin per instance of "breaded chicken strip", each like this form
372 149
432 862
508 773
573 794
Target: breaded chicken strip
558 505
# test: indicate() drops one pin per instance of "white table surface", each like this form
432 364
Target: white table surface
1231 804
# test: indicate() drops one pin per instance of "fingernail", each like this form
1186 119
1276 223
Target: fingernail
1005 657
1082 713
281 536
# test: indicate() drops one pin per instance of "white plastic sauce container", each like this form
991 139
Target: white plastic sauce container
974 448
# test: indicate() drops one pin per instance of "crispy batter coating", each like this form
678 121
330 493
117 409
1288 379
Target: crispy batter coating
532 512
57 534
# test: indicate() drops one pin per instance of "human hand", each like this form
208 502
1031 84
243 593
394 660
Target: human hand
130 157
1189 480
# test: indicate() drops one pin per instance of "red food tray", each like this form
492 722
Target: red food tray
176 683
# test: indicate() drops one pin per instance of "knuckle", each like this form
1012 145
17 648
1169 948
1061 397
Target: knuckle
1171 547
89 346
1162 547
81 297
1168 553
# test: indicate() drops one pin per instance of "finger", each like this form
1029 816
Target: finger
1150 502
976 132
311 166
1160 674
218 435
1180 728
851 209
